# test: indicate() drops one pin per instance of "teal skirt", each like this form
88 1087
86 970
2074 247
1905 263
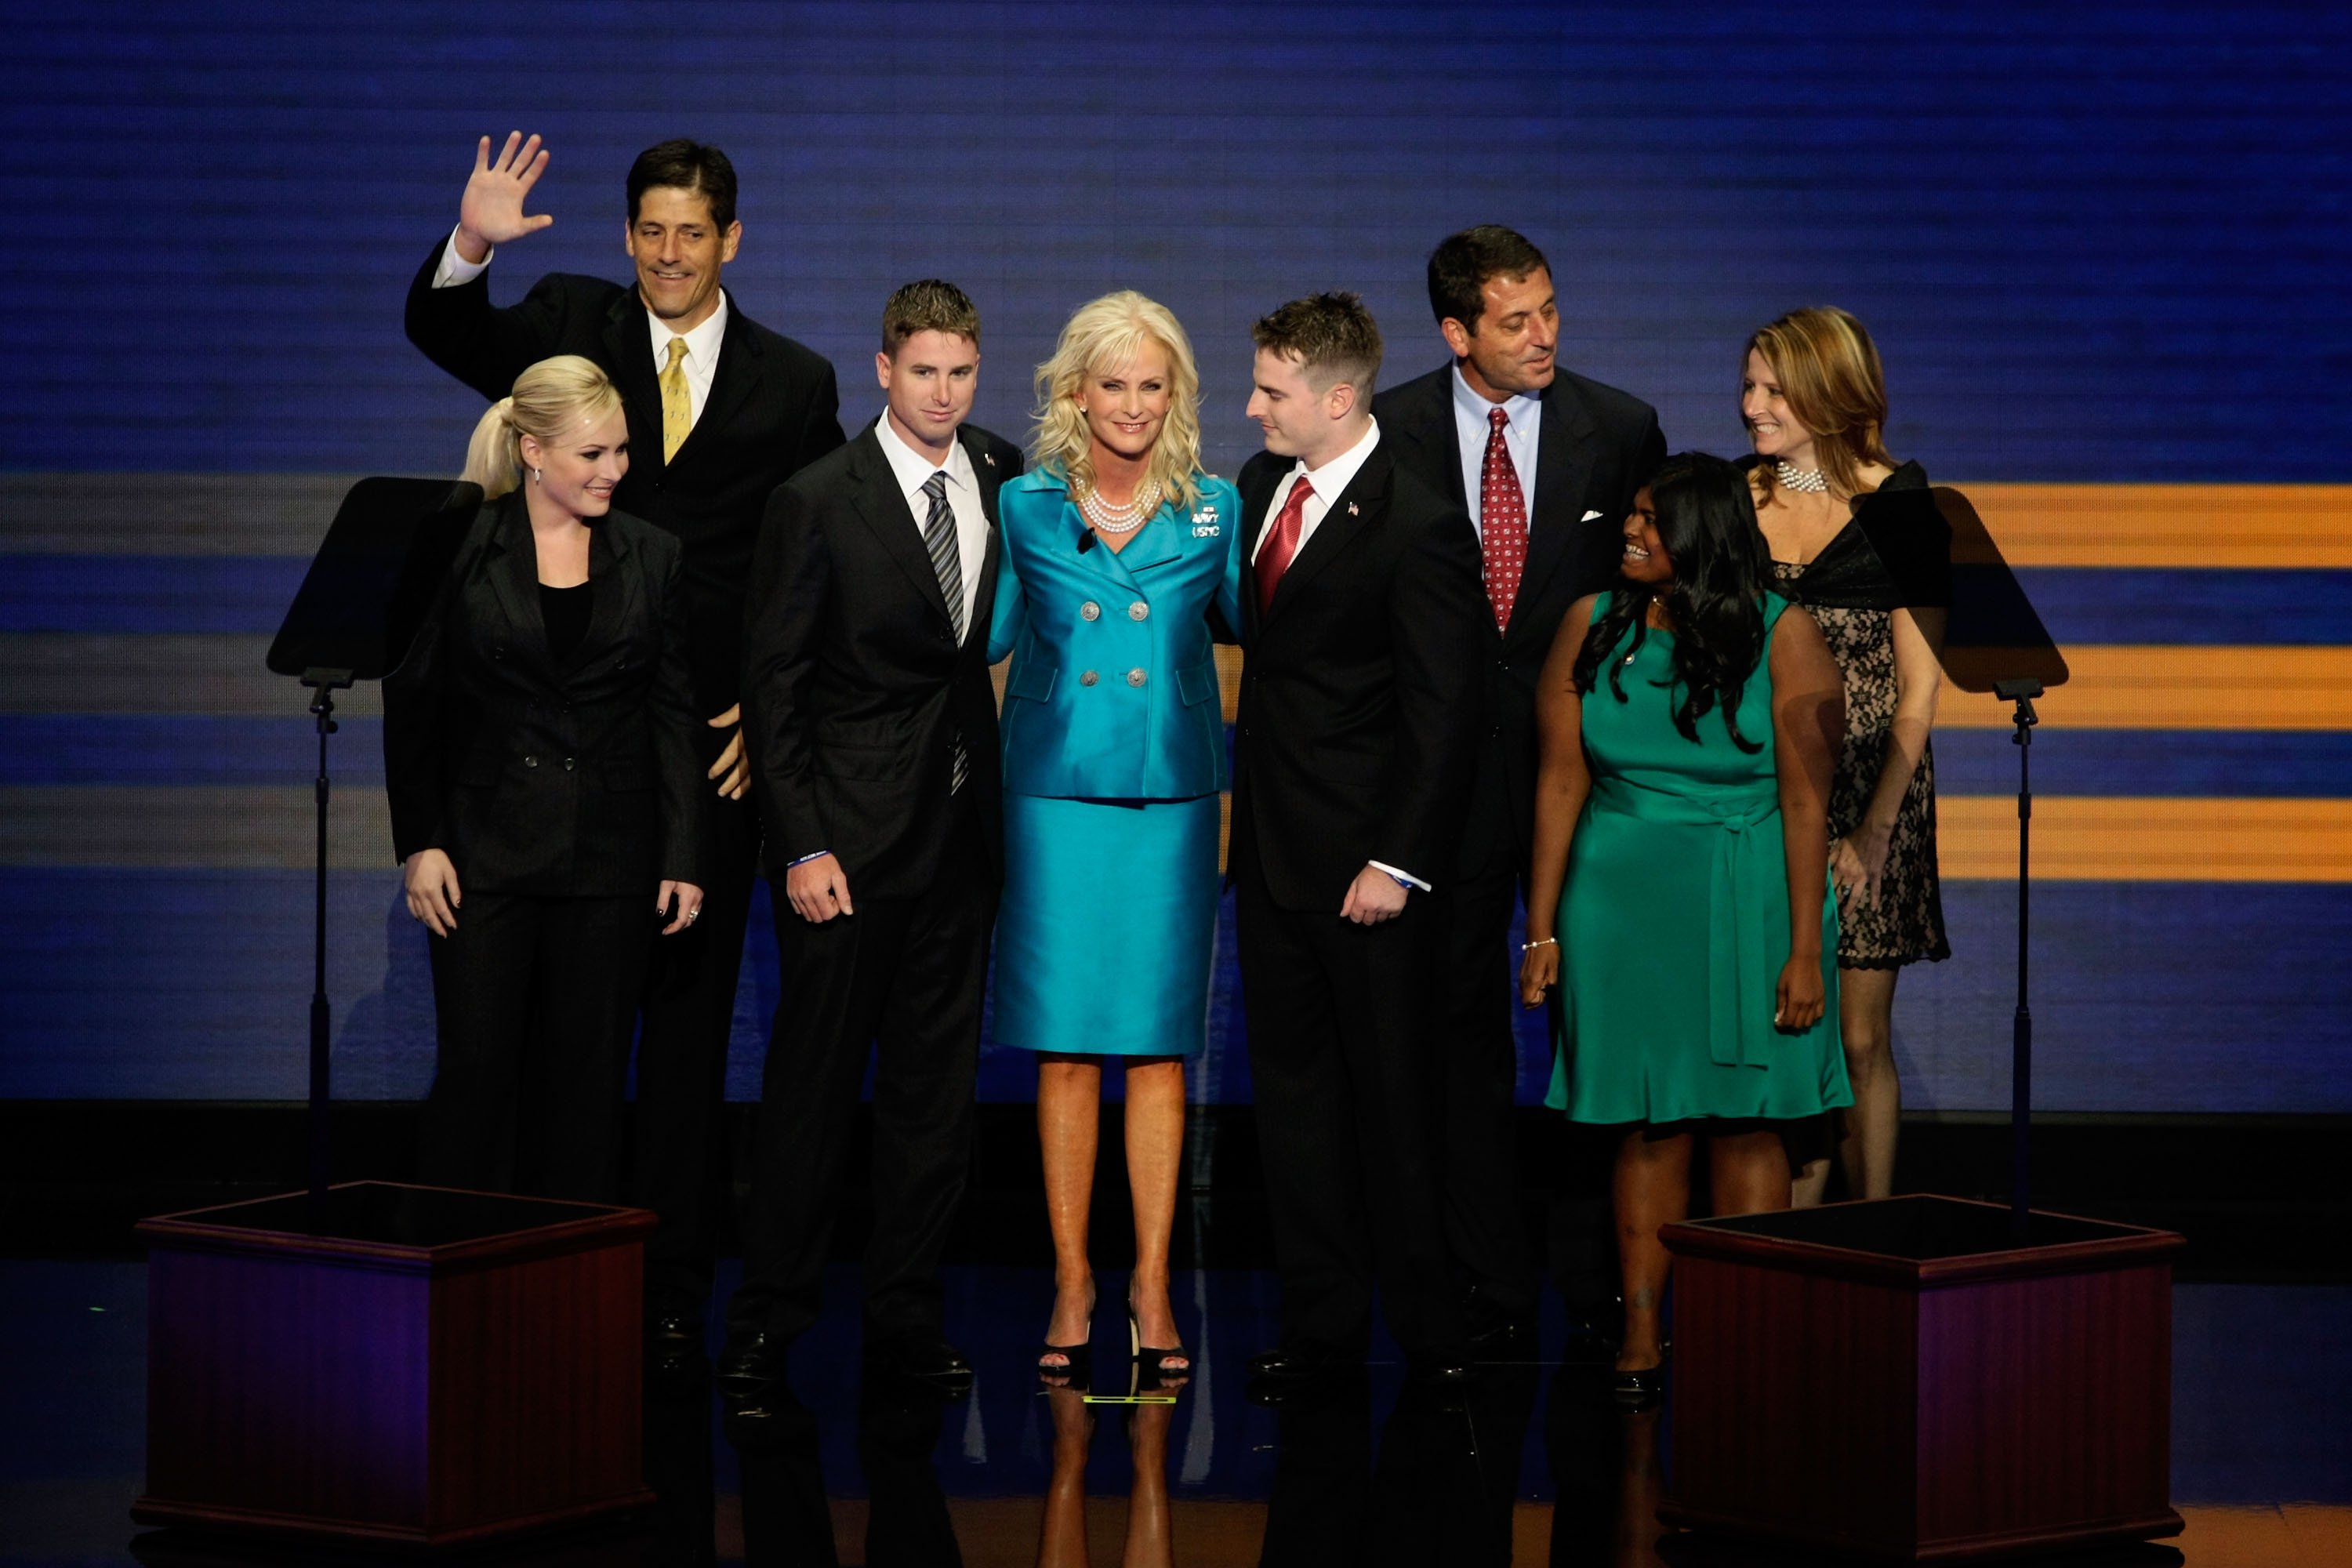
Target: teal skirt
1106 934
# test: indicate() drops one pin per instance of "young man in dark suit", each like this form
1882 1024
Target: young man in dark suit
720 411
1545 462
873 731
1359 704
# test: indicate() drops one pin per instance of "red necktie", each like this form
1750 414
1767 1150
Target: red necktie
1281 544
1502 522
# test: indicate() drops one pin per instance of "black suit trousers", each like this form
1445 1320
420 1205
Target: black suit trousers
1344 1039
904 977
1479 1160
536 999
689 1016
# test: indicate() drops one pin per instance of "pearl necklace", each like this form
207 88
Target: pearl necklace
1807 481
1109 519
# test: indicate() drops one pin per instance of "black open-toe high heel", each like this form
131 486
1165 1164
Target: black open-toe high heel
1639 1389
1078 1359
1152 1360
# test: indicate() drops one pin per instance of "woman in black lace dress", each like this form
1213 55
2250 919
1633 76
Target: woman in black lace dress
1858 542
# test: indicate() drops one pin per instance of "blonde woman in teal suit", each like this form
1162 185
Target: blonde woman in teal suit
1117 547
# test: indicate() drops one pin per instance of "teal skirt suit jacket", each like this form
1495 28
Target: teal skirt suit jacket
1114 755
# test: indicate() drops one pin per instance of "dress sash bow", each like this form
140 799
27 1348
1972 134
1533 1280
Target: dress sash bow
1746 891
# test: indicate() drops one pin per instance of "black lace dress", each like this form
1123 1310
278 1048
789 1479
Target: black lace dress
1895 553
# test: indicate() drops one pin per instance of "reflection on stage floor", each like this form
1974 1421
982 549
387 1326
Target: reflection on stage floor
1535 1465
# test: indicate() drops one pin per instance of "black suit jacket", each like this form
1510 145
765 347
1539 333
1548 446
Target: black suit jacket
855 687
1360 690
773 409
1596 447
571 778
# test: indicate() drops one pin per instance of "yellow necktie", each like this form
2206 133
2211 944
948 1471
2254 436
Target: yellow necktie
678 409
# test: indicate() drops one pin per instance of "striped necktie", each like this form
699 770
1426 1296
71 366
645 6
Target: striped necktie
939 535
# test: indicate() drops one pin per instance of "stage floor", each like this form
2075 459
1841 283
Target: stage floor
1536 1468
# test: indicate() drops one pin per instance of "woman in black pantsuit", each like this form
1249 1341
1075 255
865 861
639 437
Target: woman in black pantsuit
539 755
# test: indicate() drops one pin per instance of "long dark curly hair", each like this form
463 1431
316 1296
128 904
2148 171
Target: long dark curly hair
1706 522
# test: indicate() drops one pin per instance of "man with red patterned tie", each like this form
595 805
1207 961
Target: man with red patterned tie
1545 462
1355 744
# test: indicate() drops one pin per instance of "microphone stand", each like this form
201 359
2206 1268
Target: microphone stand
324 683
2021 1070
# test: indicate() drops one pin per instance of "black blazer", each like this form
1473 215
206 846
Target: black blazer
1596 445
561 778
853 685
773 409
1360 688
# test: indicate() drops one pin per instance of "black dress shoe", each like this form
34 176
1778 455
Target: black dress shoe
750 1367
673 1332
1441 1368
1504 1338
1297 1363
925 1358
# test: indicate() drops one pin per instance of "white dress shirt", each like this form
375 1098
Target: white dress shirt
1327 481
1522 424
701 344
913 471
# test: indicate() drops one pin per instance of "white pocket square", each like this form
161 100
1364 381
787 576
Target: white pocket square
1587 517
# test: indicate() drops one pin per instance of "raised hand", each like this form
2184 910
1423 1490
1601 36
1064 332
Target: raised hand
490 213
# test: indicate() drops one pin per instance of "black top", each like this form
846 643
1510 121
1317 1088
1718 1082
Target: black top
1895 553
540 775
565 611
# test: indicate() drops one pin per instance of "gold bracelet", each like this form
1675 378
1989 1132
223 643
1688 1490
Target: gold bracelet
1531 946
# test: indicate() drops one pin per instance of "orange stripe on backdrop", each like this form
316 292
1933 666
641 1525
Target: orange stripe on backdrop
2100 838
2116 686
2168 525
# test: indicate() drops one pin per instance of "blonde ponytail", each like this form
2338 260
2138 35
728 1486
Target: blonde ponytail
494 457
550 397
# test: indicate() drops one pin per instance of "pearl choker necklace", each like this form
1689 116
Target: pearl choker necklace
1807 481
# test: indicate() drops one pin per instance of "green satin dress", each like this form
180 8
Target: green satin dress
1673 922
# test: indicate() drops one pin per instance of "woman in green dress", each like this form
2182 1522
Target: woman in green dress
1690 726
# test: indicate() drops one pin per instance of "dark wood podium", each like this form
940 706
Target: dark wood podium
1903 1379
401 1364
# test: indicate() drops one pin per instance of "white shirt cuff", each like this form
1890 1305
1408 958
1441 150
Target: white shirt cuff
1407 878
454 269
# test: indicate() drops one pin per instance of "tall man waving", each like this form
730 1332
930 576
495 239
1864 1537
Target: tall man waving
720 411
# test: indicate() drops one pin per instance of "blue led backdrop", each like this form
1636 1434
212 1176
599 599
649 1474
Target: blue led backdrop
2099 247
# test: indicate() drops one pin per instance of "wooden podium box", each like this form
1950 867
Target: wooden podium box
409 1365
1901 1379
